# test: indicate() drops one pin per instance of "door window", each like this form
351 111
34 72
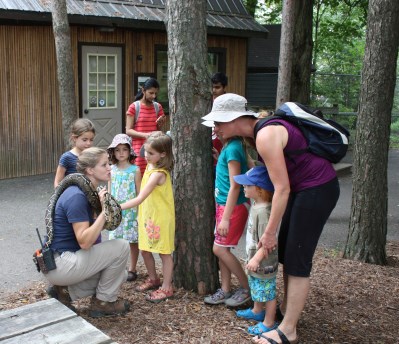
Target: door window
102 90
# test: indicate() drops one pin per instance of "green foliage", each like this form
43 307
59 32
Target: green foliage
394 137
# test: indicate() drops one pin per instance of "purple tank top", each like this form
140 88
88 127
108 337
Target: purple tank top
304 170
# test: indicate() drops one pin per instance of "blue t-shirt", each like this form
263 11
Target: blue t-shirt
71 207
68 160
232 151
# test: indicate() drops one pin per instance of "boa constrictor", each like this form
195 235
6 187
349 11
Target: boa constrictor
112 209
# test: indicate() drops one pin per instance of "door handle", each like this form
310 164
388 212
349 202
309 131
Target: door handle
86 111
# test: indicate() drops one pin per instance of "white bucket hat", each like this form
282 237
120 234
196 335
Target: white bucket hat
121 139
227 108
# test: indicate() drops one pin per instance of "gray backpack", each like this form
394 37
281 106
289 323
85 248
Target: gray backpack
137 107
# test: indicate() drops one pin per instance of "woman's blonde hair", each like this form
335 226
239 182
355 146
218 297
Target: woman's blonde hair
162 143
89 158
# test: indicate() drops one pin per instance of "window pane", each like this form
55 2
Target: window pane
92 64
102 64
102 81
102 102
162 75
93 99
92 82
111 81
111 64
111 99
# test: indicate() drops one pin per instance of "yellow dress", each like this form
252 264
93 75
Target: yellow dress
157 217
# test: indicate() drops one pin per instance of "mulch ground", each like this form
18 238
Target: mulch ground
349 302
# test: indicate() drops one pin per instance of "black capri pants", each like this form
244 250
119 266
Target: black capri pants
303 221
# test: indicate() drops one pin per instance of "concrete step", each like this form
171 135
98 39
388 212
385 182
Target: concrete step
342 168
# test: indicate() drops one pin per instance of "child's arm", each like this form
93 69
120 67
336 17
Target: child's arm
157 178
232 197
255 260
59 175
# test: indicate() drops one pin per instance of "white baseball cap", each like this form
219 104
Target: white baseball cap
227 108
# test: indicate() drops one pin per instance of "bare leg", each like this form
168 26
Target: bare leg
270 313
149 262
134 256
258 307
167 271
229 261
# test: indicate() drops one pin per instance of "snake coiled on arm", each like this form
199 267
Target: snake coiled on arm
112 209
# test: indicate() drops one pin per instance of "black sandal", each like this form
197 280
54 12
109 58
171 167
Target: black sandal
284 339
131 276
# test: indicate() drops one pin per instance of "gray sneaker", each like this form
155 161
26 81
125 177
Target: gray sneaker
219 297
240 297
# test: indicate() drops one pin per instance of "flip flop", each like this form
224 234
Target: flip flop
159 295
283 337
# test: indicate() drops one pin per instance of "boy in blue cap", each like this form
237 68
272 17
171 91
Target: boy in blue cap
261 269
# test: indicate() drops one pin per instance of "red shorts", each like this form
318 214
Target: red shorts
238 220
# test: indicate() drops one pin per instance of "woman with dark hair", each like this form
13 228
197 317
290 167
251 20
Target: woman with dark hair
151 115
306 191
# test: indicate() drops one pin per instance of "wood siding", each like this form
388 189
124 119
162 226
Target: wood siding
31 126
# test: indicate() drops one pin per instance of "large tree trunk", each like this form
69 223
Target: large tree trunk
286 53
189 99
302 51
368 222
66 81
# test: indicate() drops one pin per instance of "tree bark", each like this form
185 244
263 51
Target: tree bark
302 51
195 266
66 80
368 222
286 53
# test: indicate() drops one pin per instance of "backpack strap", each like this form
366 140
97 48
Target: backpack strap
137 109
265 122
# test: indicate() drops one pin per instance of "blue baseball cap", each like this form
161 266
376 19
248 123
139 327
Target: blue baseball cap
257 176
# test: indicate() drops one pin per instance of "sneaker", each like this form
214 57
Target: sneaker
250 315
61 294
99 309
219 297
240 297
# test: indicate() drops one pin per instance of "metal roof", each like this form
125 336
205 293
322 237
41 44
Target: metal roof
227 17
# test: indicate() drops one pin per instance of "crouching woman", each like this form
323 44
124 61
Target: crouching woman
87 268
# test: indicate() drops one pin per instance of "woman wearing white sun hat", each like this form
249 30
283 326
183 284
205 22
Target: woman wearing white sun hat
306 192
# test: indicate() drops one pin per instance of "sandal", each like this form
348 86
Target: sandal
159 295
131 276
149 284
284 339
260 328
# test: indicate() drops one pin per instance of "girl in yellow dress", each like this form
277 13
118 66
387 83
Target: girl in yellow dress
156 215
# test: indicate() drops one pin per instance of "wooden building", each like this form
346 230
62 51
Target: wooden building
116 45
263 57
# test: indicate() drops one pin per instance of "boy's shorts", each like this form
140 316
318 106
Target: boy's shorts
262 290
238 220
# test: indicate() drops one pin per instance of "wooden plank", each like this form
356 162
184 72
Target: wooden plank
75 330
27 318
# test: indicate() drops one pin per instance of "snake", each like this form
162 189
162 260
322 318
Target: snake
112 209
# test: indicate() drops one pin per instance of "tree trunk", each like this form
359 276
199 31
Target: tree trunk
368 222
195 266
302 51
286 53
66 80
